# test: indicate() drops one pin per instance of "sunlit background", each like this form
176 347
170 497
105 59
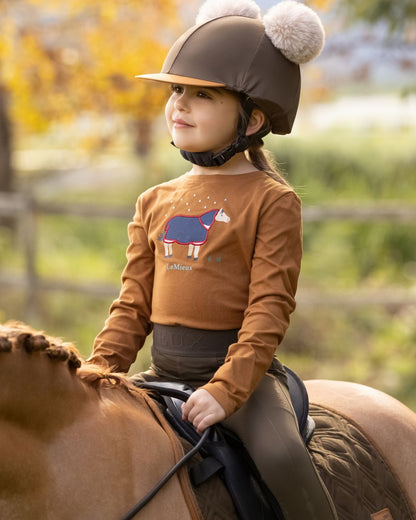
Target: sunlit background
80 139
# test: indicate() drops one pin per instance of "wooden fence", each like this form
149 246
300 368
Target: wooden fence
25 209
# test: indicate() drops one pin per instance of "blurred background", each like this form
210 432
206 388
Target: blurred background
80 139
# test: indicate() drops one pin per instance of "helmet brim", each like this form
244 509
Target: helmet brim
180 80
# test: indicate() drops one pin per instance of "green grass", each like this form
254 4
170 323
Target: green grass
373 346
337 167
80 249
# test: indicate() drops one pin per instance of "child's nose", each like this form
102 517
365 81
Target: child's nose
181 102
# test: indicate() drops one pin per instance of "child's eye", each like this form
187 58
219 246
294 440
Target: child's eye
203 94
177 89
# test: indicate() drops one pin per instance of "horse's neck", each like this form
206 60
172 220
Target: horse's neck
39 394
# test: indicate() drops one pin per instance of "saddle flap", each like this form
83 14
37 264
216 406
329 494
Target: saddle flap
300 403
200 473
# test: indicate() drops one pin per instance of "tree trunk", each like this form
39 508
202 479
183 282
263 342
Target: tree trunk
143 137
6 170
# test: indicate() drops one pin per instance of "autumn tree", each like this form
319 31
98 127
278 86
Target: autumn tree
399 15
59 59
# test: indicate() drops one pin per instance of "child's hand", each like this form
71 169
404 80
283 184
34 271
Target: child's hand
202 410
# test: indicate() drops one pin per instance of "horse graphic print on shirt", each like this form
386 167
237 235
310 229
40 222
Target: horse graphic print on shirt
191 231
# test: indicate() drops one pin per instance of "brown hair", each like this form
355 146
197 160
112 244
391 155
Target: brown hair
259 157
263 160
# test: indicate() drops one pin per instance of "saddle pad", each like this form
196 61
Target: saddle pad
359 480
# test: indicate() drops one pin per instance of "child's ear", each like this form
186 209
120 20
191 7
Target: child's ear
256 122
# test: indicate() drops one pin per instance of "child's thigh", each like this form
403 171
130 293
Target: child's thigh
267 424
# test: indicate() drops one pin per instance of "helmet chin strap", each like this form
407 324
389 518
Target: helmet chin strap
210 159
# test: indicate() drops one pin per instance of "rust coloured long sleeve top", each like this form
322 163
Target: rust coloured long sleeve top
210 252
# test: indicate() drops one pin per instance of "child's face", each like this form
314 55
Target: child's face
202 119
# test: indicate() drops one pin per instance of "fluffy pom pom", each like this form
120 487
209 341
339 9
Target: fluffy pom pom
212 9
296 30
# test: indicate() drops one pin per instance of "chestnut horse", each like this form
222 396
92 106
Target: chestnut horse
79 443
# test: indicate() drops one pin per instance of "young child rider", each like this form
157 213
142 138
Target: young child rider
214 255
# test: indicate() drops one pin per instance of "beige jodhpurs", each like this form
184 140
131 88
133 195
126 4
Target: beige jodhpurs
266 424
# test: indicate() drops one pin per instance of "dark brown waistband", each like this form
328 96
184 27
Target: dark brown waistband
185 341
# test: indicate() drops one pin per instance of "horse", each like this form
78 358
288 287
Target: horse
78 442
191 230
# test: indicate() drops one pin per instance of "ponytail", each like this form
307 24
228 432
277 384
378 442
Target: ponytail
263 160
259 158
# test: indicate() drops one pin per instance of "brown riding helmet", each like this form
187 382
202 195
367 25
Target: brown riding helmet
259 58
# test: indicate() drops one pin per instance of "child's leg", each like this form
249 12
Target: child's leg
267 425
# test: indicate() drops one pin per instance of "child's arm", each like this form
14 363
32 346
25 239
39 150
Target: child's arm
273 283
128 324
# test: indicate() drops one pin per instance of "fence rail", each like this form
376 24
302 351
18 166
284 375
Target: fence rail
24 208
